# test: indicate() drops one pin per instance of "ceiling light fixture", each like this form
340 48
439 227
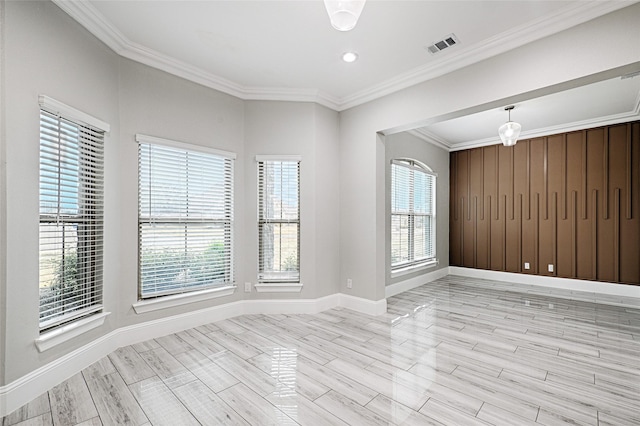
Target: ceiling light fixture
344 14
349 57
510 130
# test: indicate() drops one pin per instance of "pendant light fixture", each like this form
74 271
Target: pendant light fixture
344 14
510 130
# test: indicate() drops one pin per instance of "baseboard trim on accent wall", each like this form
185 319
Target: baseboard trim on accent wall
411 283
32 385
598 287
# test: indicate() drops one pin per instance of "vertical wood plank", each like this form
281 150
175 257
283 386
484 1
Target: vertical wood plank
605 175
564 176
489 217
546 178
574 234
475 232
520 214
616 235
504 233
536 239
513 173
594 235
461 221
454 186
629 172
482 186
497 151
528 180
584 174
554 231
469 185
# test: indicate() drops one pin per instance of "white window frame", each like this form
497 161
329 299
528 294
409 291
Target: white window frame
71 145
188 292
412 263
273 280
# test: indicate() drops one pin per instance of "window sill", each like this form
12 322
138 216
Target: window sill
278 287
164 302
67 332
415 268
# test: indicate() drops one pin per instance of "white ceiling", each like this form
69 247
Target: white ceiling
606 102
287 50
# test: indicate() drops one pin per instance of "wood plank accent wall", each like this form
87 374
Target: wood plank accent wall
571 200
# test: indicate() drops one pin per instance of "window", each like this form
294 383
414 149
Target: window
278 219
412 214
185 219
71 215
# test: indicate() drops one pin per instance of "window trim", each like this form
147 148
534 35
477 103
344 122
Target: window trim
276 284
425 263
58 108
153 140
171 300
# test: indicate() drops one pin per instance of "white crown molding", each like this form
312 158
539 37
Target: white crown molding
552 130
427 136
569 16
574 14
90 18
26 388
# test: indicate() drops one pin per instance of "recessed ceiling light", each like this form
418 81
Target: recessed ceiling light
349 56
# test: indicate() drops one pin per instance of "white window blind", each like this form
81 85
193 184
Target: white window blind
279 221
185 219
412 214
71 219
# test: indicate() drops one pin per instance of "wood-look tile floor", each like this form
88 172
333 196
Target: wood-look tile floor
455 351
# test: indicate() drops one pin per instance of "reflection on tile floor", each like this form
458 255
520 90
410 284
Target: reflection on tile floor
456 351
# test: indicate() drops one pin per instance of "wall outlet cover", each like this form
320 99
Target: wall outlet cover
349 283
527 265
247 287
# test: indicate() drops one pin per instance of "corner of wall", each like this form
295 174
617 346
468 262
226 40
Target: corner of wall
3 180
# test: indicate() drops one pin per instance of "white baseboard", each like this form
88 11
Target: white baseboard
30 386
411 283
365 306
598 287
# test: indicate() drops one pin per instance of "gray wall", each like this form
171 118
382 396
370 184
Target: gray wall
308 130
602 48
50 54
3 177
344 157
405 145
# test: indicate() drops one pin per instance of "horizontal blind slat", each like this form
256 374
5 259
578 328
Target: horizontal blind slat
71 193
412 214
279 220
185 220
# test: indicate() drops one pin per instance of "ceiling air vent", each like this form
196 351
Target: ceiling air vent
447 41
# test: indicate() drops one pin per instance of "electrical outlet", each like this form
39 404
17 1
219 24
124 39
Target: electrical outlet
527 265
247 287
527 303
349 283
550 267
